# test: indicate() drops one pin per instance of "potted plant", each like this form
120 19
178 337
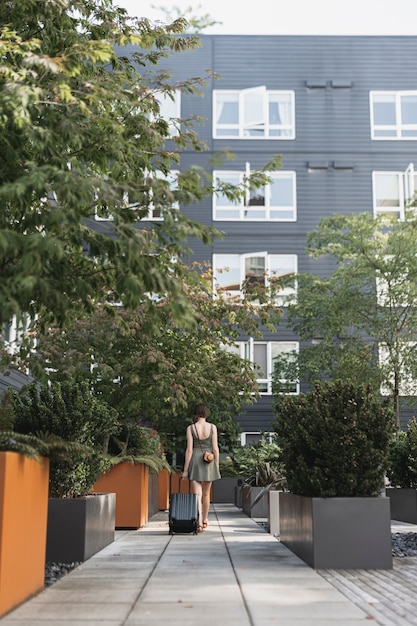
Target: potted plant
402 474
24 476
334 444
137 457
261 469
80 523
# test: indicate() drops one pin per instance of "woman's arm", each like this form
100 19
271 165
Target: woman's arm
188 452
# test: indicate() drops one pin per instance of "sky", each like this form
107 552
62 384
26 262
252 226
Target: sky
293 17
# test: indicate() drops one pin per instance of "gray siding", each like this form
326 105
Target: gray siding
332 154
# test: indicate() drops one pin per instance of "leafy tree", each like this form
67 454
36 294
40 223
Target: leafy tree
150 368
81 131
195 23
359 323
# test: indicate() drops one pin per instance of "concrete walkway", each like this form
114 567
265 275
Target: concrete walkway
232 574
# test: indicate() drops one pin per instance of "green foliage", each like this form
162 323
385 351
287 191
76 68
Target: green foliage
260 464
227 468
81 132
367 302
195 23
69 411
28 445
151 368
6 411
334 440
402 463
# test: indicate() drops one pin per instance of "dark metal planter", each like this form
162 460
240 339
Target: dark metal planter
261 508
79 527
403 504
337 533
224 490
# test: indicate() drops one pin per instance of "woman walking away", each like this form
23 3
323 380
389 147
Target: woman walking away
201 439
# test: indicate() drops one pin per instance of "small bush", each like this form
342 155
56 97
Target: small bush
402 461
260 464
69 411
334 440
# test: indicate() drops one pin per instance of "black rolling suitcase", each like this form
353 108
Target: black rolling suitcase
183 513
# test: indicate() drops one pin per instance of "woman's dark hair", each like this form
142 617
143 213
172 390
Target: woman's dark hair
201 411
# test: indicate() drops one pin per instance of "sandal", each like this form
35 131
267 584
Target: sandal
205 523
200 529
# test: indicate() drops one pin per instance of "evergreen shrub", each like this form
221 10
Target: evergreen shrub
334 440
402 463
69 411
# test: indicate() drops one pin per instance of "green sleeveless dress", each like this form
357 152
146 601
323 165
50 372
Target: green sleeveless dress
199 469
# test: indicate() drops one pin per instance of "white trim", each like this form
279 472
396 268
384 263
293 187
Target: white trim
240 129
396 131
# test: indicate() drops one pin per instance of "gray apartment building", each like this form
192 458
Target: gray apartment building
342 112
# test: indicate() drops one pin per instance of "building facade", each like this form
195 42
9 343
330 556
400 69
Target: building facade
342 113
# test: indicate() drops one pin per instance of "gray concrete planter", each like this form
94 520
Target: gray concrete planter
403 504
79 527
223 490
261 508
273 512
337 533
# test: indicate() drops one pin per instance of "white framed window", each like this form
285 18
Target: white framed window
252 438
263 354
170 109
155 211
408 381
230 271
12 332
393 191
393 115
155 208
254 113
275 201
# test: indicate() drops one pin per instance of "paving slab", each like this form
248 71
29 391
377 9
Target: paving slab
232 574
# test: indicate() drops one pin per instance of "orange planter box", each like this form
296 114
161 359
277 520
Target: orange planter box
24 486
129 481
163 490
179 485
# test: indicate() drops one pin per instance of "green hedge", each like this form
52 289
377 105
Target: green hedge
334 440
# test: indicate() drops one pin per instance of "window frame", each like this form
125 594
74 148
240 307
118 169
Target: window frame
243 205
398 127
246 350
132 205
243 127
408 385
406 183
280 299
167 106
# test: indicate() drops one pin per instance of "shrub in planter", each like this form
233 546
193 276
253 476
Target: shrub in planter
261 469
402 460
334 440
79 524
69 411
402 474
260 465
335 446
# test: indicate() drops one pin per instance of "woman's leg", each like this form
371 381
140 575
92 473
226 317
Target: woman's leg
198 490
206 487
